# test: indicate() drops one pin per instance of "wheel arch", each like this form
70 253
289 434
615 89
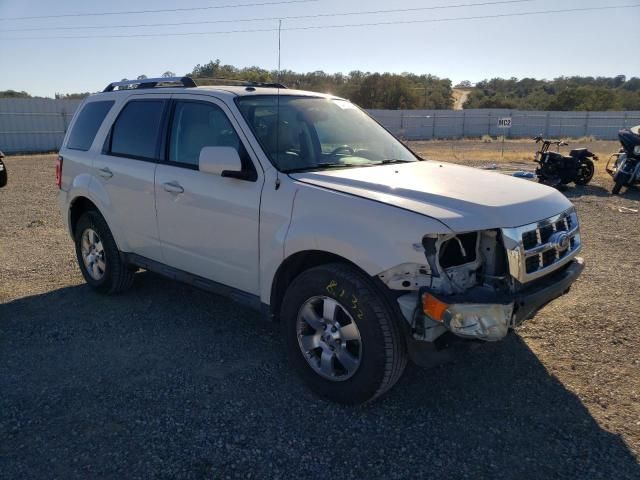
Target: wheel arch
297 263
78 206
83 203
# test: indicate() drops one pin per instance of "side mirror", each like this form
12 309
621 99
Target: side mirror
217 160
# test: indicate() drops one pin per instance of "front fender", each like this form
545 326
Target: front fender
372 235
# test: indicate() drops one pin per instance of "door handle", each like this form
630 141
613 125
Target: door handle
173 187
105 172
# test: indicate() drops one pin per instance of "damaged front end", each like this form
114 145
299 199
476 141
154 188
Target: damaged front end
478 285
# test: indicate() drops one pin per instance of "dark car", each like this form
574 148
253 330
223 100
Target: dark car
3 171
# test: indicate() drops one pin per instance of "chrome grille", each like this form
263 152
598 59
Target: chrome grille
539 248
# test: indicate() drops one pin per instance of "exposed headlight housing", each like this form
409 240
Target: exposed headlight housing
489 322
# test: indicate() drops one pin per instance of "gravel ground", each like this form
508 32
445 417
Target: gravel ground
167 381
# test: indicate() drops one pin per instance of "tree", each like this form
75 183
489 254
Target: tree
168 74
71 96
13 94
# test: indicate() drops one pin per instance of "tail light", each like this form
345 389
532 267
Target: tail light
59 171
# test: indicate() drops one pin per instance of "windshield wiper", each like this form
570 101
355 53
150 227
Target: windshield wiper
327 165
387 162
320 166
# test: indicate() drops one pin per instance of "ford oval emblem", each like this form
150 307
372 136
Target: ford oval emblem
560 241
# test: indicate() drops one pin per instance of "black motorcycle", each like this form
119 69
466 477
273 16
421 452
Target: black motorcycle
626 163
557 170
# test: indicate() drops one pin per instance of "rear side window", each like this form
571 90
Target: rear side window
87 124
137 130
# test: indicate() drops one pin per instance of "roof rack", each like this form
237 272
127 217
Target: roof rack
186 82
243 83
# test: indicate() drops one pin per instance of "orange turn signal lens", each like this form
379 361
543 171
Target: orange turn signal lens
433 307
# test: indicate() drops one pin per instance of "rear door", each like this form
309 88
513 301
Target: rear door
208 224
126 169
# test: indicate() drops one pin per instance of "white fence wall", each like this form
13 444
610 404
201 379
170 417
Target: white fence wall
39 124
434 124
34 124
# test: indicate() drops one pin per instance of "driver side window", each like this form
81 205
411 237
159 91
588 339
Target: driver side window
196 125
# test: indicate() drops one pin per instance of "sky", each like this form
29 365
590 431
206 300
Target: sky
593 43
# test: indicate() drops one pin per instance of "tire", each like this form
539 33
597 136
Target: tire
110 274
379 346
616 188
585 173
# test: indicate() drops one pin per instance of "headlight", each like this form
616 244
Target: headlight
636 150
483 321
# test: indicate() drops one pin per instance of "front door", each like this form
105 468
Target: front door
208 224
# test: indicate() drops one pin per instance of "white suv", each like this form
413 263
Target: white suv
301 205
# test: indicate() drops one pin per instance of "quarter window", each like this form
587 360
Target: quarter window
137 129
197 125
87 124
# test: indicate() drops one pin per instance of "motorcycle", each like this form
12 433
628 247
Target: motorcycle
626 163
557 170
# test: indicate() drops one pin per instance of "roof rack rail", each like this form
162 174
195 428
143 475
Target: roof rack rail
186 82
243 83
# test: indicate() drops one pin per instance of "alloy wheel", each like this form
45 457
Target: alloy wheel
329 338
93 254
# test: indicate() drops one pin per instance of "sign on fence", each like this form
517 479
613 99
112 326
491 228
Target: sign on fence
504 122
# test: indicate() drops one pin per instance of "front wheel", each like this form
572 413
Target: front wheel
585 172
616 188
342 337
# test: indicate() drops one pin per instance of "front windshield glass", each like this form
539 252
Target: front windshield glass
315 133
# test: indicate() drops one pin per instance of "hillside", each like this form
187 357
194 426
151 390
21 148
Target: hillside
564 93
460 96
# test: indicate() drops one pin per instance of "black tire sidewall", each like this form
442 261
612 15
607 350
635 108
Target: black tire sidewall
592 169
95 221
364 306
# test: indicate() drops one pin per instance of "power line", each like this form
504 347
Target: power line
184 9
292 17
322 27
478 17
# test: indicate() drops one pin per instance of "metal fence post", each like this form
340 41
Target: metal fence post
586 124
463 122
546 124
64 120
433 126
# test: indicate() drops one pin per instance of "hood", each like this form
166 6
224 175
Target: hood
463 198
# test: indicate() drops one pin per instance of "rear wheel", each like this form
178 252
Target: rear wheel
341 336
98 256
585 172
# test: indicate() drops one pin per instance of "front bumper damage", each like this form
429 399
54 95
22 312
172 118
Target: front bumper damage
481 313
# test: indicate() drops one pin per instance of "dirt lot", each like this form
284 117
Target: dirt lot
167 381
516 152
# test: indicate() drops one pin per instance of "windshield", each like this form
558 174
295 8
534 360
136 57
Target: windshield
314 133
